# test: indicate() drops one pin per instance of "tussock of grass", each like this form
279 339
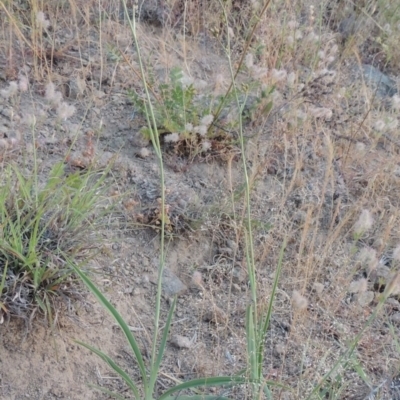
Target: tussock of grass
41 227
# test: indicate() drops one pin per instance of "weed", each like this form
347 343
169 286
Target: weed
42 225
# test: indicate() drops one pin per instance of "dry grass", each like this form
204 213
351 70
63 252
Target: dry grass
327 150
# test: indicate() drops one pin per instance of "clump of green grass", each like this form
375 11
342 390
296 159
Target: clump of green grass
41 226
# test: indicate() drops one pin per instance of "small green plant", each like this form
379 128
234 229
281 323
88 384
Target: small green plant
41 225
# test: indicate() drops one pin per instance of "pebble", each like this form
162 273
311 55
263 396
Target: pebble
181 342
395 318
171 284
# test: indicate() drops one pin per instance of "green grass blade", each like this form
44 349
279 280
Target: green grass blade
251 343
155 368
205 382
198 397
120 321
114 366
267 319
106 391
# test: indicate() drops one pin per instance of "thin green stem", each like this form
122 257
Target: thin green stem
155 139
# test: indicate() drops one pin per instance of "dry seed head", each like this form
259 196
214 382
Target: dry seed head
396 102
258 72
321 112
65 110
359 286
205 146
318 287
197 278
207 120
201 130
51 94
291 79
394 285
41 20
23 83
299 301
360 147
199 84
171 138
278 75
379 125
249 60
292 24
10 91
298 34
144 152
187 81
391 124
367 257
189 128
364 222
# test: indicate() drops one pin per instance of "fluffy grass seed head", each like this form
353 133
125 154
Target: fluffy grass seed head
393 288
189 128
278 75
379 125
207 120
396 102
172 137
205 145
65 111
367 257
359 286
51 95
41 20
364 222
299 301
23 83
321 112
249 60
197 279
11 91
144 152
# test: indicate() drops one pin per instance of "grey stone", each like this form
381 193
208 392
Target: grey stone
171 284
379 81
181 342
395 318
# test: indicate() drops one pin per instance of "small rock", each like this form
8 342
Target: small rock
395 318
171 284
239 274
380 82
236 288
366 298
181 342
279 349
232 244
76 88
215 315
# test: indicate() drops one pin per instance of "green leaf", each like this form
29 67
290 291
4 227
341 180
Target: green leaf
267 319
120 321
198 397
204 382
251 343
155 368
106 391
114 366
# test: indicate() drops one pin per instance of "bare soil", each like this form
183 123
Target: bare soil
310 184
